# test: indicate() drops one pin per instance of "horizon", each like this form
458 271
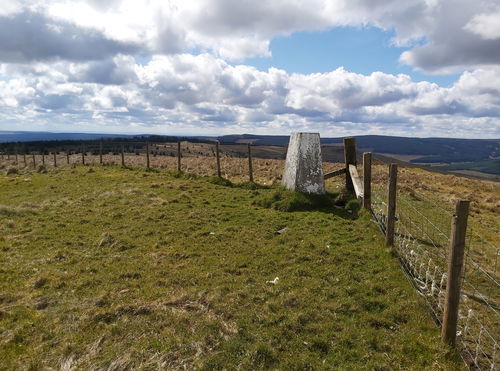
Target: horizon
216 67
2 132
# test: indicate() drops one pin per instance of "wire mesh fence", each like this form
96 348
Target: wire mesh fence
422 239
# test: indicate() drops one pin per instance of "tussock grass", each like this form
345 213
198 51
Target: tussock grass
198 288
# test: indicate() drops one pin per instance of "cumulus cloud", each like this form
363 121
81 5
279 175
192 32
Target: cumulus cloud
77 61
206 94
28 36
443 35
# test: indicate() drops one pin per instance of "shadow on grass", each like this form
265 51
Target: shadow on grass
341 204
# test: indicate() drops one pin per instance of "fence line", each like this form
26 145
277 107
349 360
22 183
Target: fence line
421 241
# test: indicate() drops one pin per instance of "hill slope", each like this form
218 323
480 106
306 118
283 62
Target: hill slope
126 268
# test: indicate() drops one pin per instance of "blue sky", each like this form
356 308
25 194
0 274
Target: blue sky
358 49
412 68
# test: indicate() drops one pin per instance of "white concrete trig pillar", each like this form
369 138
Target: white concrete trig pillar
304 166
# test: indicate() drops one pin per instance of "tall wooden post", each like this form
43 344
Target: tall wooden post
43 157
100 152
179 156
123 155
367 180
391 205
250 167
83 154
24 158
455 263
349 159
34 161
67 157
218 158
147 155
55 159
17 162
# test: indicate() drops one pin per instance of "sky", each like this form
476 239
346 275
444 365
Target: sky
426 68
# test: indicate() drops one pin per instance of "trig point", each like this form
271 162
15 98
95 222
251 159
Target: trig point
304 166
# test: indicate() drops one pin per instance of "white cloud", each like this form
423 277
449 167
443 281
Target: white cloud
75 61
486 25
205 94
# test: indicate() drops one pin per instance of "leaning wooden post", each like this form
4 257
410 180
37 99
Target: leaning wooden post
83 154
367 180
123 155
178 156
147 155
350 159
250 167
391 205
100 152
55 159
218 158
455 263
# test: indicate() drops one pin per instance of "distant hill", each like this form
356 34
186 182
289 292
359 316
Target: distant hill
36 136
428 150
479 155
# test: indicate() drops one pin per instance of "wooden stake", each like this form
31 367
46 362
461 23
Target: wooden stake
367 180
83 154
43 157
34 161
455 263
391 205
100 152
179 156
55 159
250 167
67 157
349 159
218 158
24 158
123 155
147 155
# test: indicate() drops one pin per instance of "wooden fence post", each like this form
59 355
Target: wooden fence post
147 154
24 158
83 154
391 205
55 159
350 159
100 152
250 167
367 180
17 162
67 157
123 155
455 263
34 161
179 155
217 156
43 157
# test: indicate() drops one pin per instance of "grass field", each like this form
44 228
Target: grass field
111 268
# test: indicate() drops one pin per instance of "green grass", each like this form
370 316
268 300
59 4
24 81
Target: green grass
122 268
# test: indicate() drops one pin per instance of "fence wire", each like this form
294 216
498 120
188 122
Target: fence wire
422 239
